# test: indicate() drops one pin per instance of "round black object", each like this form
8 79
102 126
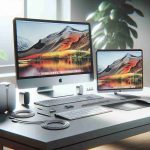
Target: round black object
60 80
22 114
55 124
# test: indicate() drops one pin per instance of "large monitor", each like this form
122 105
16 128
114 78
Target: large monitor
49 53
119 70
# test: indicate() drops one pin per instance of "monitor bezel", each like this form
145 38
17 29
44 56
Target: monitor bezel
121 89
50 21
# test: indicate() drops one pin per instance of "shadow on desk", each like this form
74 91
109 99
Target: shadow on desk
139 142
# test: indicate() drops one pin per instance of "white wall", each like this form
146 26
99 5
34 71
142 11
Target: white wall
42 9
143 41
81 8
8 10
64 10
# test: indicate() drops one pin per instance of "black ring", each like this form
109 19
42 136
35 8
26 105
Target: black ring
63 124
20 114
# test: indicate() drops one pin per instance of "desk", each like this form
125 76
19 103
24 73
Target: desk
82 134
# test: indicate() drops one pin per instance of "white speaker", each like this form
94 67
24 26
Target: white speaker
7 97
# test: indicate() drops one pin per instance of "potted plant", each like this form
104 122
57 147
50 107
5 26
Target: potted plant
114 26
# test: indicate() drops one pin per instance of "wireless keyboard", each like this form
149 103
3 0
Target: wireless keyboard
66 100
83 112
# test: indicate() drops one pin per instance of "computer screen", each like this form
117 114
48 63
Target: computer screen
52 52
119 70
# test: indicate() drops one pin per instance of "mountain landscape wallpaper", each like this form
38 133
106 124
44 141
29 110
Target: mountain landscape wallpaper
53 49
119 69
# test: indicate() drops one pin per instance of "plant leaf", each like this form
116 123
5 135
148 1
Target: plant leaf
122 27
110 26
104 5
97 27
130 21
99 33
111 45
139 12
130 42
120 39
101 19
134 33
122 44
90 16
100 42
98 15
95 40
129 9
115 14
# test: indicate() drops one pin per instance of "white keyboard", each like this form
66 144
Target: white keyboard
72 99
83 112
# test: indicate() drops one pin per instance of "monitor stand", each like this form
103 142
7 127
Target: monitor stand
126 96
44 89
51 92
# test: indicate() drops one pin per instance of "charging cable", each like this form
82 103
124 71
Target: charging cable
54 124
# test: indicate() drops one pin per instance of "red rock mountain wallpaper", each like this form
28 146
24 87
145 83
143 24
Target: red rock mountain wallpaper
125 72
63 52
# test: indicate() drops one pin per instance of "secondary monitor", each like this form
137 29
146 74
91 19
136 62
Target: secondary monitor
49 53
119 70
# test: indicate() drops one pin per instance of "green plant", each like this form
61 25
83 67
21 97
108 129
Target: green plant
114 26
3 55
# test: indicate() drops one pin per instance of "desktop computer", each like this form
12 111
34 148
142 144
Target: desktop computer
119 70
49 53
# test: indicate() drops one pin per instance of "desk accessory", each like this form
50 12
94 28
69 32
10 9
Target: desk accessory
7 97
79 90
129 106
54 124
61 124
22 114
24 98
44 113
46 124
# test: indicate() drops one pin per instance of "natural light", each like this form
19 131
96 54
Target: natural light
8 10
